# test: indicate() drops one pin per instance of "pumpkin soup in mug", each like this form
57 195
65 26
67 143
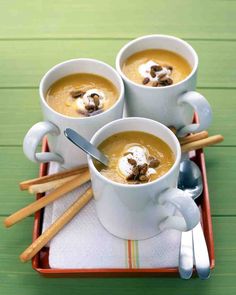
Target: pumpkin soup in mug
156 67
135 157
82 95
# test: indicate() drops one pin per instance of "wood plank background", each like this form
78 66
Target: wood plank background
35 35
109 19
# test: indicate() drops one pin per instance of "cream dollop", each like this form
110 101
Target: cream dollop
145 69
140 155
86 99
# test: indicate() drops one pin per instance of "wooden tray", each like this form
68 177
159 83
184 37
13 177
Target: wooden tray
40 261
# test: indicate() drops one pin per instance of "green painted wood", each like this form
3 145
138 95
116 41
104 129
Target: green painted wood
17 276
24 62
109 19
223 105
31 284
15 167
20 109
220 162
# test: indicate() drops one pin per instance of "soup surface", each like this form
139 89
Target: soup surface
135 157
156 68
81 95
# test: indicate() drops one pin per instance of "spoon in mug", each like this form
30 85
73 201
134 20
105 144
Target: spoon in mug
190 180
86 146
193 245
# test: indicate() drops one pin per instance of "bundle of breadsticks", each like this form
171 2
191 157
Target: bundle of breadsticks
63 182
59 184
197 141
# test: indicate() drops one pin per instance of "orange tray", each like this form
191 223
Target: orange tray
40 261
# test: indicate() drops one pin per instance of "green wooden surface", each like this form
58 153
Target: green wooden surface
23 62
34 35
110 19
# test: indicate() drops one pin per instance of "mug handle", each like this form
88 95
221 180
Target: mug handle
190 215
203 109
33 138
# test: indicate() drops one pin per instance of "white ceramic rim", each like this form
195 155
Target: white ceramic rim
121 94
158 125
123 49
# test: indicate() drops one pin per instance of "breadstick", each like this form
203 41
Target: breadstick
202 143
193 137
44 187
25 184
53 229
42 202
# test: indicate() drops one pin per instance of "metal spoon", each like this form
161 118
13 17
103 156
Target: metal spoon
86 146
193 245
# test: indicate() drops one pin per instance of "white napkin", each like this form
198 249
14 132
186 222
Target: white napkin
47 215
84 243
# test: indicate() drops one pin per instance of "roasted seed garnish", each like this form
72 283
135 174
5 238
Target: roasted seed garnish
96 100
146 80
136 177
135 170
143 169
169 81
156 68
132 162
154 163
153 73
90 108
77 93
166 82
143 178
169 68
130 177
94 94
162 77
155 84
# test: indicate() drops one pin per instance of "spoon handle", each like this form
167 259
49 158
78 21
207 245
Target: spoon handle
85 145
186 255
200 251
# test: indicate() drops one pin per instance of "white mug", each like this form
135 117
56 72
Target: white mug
61 149
141 211
171 105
